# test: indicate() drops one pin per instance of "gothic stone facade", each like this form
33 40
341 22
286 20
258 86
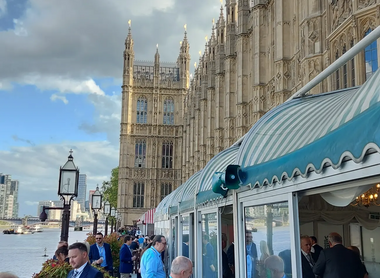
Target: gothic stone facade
259 53
151 130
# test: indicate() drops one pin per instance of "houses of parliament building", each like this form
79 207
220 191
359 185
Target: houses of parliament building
259 53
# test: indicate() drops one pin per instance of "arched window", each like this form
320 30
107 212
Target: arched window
370 57
337 79
167 155
352 67
140 153
168 111
345 79
166 189
138 195
142 110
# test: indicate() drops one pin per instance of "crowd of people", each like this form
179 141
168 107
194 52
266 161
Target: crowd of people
139 254
145 256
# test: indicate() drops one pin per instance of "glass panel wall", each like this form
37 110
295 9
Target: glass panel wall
267 241
185 236
209 245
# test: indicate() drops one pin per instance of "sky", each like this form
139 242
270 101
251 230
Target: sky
60 76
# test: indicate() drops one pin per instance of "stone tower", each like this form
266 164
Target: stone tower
151 130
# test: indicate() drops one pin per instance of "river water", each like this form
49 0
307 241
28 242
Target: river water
23 255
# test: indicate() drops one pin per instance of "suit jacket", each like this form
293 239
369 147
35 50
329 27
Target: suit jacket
88 272
227 273
94 255
317 251
338 262
126 263
307 271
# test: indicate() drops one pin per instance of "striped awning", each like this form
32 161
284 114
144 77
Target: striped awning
217 164
147 217
307 133
187 200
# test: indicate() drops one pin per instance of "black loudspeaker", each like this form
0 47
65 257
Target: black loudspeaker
222 182
232 179
218 184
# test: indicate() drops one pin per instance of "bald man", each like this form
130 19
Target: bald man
182 267
275 265
338 261
7 275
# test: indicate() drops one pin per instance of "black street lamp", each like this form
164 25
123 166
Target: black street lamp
96 204
106 211
67 190
117 220
113 213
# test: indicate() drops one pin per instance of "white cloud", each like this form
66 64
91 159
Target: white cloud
68 39
37 167
107 116
64 84
3 7
19 29
55 97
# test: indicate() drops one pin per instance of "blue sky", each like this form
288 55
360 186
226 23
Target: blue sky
60 77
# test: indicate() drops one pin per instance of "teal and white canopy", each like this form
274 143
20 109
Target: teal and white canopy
306 134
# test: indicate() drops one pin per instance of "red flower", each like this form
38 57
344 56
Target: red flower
53 265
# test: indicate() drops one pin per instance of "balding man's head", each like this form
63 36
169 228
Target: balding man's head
7 275
275 265
334 238
181 268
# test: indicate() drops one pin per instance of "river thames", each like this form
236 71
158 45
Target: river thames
23 255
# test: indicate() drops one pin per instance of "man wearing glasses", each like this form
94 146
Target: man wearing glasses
100 254
151 265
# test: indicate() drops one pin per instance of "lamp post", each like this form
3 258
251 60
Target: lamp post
96 205
67 189
116 220
113 213
106 211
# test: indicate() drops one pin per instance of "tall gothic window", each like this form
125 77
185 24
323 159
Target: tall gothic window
370 57
167 155
168 111
352 67
142 110
140 153
138 195
166 188
345 79
337 81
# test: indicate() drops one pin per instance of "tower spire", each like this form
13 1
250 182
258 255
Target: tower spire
157 56
183 60
129 39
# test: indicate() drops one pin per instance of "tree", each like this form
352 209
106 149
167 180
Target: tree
110 188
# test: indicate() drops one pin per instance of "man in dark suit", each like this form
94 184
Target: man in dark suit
79 261
227 272
315 248
338 261
307 260
100 254
231 258
126 258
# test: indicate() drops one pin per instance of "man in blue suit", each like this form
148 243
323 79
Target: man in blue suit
79 261
100 254
126 258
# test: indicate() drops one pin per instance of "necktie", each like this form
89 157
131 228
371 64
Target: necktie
310 259
76 272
